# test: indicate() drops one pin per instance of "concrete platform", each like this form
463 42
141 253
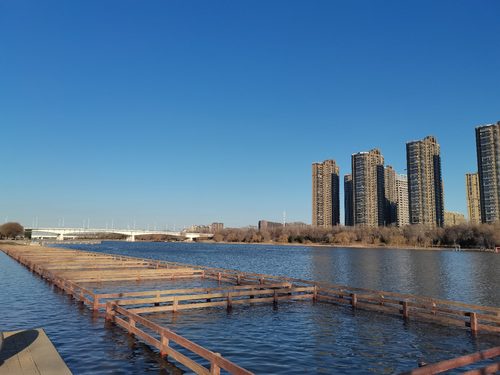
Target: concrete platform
30 352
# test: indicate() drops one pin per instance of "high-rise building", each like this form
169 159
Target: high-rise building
488 167
348 207
473 201
402 211
425 185
368 188
325 194
391 197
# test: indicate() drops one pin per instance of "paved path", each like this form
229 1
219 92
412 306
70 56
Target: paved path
30 352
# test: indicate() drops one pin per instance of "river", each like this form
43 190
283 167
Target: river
294 338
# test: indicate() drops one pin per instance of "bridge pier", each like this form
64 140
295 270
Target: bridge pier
131 238
60 237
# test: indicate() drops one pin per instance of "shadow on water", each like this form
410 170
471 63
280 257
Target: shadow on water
16 343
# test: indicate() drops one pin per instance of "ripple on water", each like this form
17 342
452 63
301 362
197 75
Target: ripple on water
292 339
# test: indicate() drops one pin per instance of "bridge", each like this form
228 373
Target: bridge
61 233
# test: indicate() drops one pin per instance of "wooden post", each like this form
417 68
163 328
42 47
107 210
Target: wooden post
174 304
229 303
406 314
315 293
275 298
214 368
164 345
261 281
238 280
95 305
109 311
219 277
354 300
131 323
157 297
473 322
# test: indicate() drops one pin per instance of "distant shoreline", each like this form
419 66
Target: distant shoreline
351 246
334 246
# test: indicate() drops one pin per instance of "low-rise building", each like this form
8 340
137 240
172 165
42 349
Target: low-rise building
453 218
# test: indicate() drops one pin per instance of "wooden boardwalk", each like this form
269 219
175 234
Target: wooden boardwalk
73 271
30 352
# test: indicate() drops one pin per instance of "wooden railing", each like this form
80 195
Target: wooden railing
478 318
224 299
456 363
165 337
155 296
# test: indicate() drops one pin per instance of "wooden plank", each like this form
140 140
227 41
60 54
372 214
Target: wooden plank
494 368
239 293
192 290
458 362
30 352
199 305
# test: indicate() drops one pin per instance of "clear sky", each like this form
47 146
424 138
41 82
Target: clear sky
180 112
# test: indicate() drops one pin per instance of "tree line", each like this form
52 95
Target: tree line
11 230
465 236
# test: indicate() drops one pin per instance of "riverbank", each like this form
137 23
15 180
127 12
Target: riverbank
352 246
268 243
465 236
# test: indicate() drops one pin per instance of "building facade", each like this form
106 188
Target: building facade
325 194
402 211
453 218
473 200
268 225
368 188
216 227
488 166
391 197
348 206
425 185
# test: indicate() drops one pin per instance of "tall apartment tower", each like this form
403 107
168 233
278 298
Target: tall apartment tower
368 188
473 201
325 194
488 167
402 211
391 197
348 206
425 185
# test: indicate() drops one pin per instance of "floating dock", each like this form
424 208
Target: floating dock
30 352
81 274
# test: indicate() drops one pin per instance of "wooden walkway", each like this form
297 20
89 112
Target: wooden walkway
30 352
73 270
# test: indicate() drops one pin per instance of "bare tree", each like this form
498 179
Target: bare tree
11 230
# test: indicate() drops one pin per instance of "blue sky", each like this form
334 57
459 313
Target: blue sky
180 112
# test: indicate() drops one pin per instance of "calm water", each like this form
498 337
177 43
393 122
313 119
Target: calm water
295 338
